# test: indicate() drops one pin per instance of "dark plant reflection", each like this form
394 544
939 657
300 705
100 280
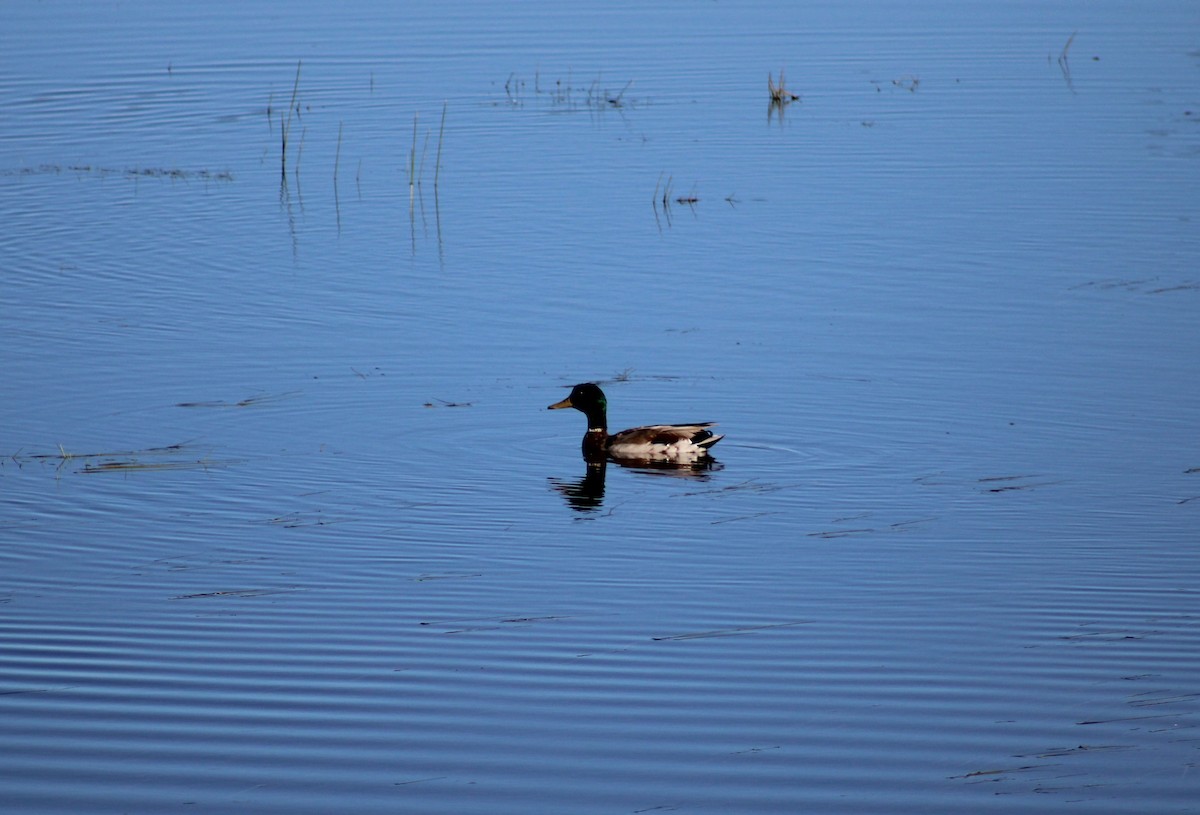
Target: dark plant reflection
586 494
776 108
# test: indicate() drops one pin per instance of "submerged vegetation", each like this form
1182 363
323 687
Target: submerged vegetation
249 401
563 93
170 173
169 457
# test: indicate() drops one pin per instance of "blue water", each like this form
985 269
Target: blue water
285 527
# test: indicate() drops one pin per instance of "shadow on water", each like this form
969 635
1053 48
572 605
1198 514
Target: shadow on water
586 494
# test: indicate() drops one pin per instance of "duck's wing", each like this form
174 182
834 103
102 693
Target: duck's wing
682 442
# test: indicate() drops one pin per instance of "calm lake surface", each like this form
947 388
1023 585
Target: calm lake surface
286 528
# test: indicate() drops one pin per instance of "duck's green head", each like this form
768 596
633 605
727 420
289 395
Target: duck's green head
589 399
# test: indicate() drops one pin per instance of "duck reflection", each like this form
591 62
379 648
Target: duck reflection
583 494
586 494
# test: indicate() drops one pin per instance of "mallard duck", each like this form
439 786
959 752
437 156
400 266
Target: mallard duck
679 443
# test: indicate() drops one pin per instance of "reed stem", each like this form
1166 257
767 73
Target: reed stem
437 167
337 155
